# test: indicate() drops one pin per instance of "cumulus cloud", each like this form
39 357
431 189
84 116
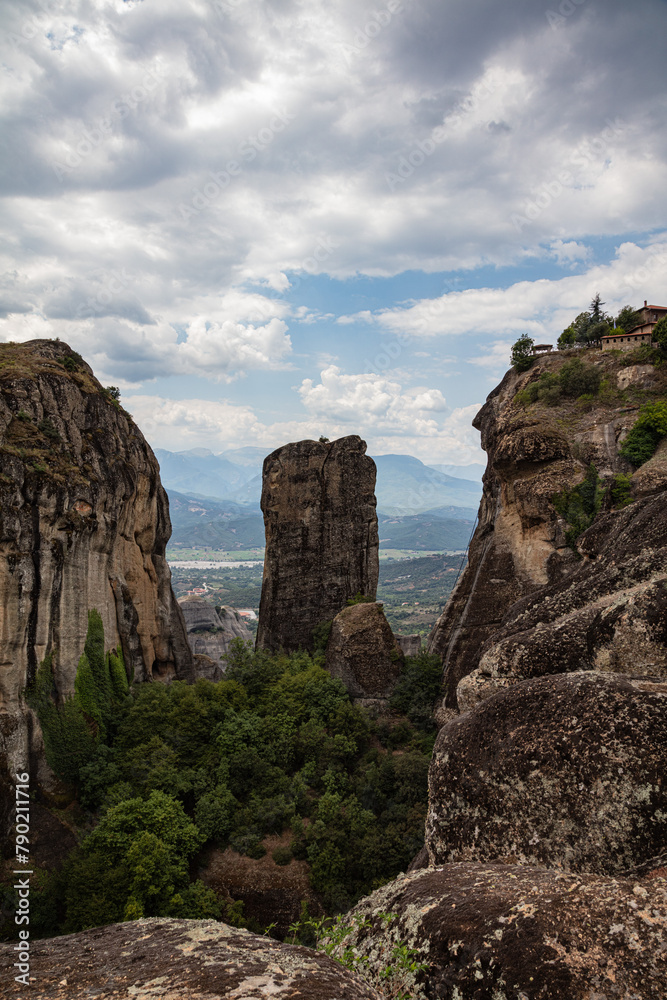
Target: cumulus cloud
277 130
415 421
539 308
372 401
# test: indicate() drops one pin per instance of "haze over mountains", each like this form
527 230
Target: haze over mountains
214 500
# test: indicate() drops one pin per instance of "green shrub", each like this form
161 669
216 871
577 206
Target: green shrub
48 430
321 635
282 855
646 434
578 378
359 598
579 505
619 491
72 361
135 864
417 688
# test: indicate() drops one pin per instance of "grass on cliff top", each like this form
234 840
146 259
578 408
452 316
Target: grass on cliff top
19 361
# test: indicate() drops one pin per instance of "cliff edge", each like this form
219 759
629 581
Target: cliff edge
525 573
84 523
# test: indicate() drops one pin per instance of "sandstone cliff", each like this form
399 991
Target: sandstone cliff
322 543
84 524
520 551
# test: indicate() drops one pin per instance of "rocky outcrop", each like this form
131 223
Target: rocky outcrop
211 631
519 548
364 654
609 613
515 932
318 501
180 960
84 524
563 771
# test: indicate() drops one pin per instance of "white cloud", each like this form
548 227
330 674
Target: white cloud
498 357
414 422
540 308
571 252
373 402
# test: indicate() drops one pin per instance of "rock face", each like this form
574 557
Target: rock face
364 654
180 960
515 932
211 631
321 537
519 548
609 613
564 771
84 524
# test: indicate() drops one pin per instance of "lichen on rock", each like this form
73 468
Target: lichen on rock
181 960
516 932
565 771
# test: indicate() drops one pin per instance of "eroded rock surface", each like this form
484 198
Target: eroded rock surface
563 771
364 654
513 932
180 960
519 548
211 632
318 501
610 613
84 524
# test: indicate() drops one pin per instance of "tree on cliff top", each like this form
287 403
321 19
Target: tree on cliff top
522 357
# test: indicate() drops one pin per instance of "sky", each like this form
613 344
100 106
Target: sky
267 220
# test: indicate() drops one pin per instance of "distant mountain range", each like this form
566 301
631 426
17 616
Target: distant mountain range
229 526
405 486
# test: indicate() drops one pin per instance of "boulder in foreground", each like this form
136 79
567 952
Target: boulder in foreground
564 771
515 932
180 960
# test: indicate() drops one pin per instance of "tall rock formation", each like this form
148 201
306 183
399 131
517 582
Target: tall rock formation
84 524
519 552
322 543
